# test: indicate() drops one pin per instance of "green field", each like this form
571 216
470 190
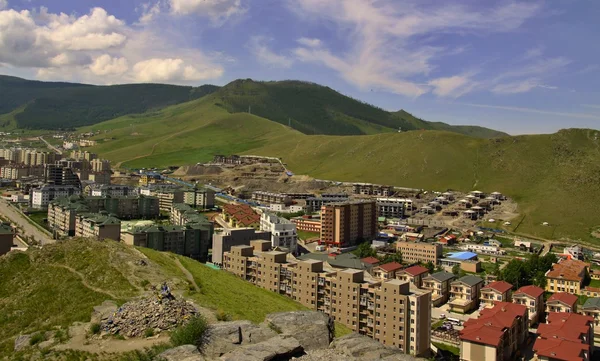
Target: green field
554 178
303 235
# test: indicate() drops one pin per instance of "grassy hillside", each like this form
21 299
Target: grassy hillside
49 289
315 109
553 177
48 105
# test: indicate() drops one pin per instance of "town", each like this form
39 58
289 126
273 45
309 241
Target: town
420 271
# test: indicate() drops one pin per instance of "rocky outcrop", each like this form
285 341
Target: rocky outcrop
359 347
22 342
182 353
314 330
225 337
279 347
104 311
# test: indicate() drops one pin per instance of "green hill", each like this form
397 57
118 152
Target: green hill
48 289
553 177
49 105
315 109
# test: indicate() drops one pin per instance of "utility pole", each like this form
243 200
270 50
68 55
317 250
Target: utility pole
250 109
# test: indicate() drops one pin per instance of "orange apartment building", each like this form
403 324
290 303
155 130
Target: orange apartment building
392 312
344 223
307 223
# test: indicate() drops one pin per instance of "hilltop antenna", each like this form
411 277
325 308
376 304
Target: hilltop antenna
290 122
250 109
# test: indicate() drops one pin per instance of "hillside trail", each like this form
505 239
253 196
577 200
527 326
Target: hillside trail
187 274
85 283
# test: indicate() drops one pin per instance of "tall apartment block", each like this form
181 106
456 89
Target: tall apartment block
342 224
392 312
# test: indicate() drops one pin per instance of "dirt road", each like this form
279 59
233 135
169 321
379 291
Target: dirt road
18 219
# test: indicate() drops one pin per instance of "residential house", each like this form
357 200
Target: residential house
498 291
387 271
465 293
241 216
414 275
562 302
496 335
439 285
591 308
568 275
565 337
533 298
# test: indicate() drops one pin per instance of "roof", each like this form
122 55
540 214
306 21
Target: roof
470 280
560 338
344 260
592 303
5 228
566 298
489 327
100 219
443 276
370 260
391 266
500 286
415 270
560 349
462 255
567 269
533 291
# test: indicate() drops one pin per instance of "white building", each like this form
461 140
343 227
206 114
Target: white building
481 248
406 203
112 190
280 207
575 251
68 145
283 232
40 197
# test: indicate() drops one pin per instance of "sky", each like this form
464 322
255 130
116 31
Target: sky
517 66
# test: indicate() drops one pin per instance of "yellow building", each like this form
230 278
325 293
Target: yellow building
567 276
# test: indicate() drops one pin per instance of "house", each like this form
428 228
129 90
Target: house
533 298
387 271
414 275
595 274
498 291
7 235
562 302
464 294
496 335
565 336
241 216
591 308
439 285
448 240
567 275
370 262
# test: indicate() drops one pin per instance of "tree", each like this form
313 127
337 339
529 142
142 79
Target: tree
430 266
456 269
392 257
365 250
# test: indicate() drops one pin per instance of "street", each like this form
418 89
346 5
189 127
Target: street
18 219
50 146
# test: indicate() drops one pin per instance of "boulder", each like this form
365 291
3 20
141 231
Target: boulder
279 347
103 311
224 337
314 330
22 342
359 347
181 353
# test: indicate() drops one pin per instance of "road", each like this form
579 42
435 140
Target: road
29 230
51 146
222 223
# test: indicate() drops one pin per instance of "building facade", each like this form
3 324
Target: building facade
223 241
414 252
307 223
567 275
439 285
465 293
203 198
283 232
498 291
343 224
533 298
97 226
7 235
270 197
562 302
41 197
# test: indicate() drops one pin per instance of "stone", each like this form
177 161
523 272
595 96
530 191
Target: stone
181 353
22 342
359 347
279 347
103 311
314 330
225 337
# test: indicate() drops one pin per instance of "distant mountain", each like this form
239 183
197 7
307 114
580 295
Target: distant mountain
51 105
315 109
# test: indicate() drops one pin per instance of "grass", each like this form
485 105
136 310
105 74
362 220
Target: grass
190 333
38 218
452 349
594 283
304 235
341 330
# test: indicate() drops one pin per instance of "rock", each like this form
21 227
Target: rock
181 353
22 342
104 311
279 347
365 348
46 344
314 330
225 337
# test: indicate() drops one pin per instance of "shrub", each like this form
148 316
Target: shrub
61 335
223 316
95 328
37 338
191 333
144 283
149 332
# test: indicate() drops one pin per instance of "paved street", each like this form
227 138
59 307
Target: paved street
29 230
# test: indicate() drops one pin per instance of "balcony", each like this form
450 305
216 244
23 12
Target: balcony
321 281
288 290
363 301
371 306
282 287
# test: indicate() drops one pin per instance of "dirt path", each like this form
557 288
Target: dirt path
85 283
187 274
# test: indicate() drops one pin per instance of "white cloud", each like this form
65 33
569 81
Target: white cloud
534 52
521 86
3 4
259 48
535 111
453 86
310 42
217 10
149 12
383 51
163 70
97 48
107 65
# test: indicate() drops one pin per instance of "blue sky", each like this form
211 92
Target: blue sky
517 66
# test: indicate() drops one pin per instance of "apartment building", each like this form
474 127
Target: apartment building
308 223
496 335
314 204
223 241
482 248
167 197
111 190
182 214
414 275
19 171
387 271
439 285
406 204
392 312
148 178
498 291
567 275
270 197
100 165
465 293
390 210
343 224
368 189
565 336
83 155
60 175
7 235
533 298
203 198
562 302
41 197
97 226
591 308
283 232
62 215
414 252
